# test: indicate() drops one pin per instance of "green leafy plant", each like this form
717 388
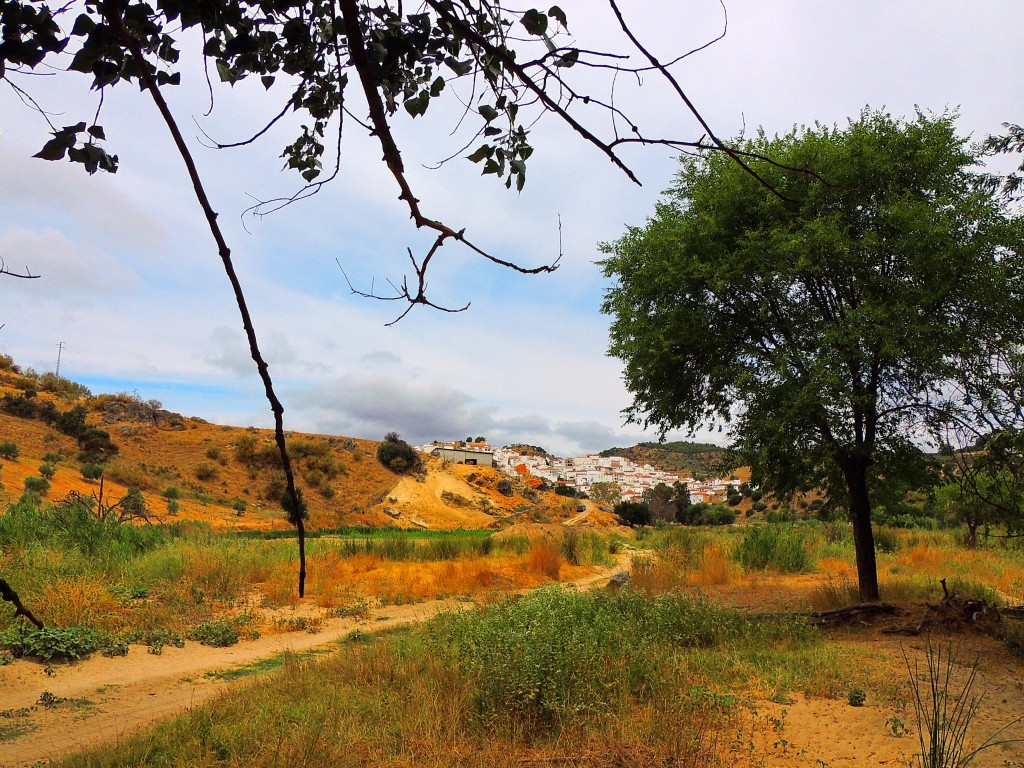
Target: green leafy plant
856 697
59 643
9 450
217 633
37 484
92 471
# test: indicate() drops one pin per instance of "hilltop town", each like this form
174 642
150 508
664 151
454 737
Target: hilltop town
581 472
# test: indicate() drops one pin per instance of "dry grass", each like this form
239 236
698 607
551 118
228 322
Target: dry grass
545 557
714 567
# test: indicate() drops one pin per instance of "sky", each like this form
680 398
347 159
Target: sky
132 284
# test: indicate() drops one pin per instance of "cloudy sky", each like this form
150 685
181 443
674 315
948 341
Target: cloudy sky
132 284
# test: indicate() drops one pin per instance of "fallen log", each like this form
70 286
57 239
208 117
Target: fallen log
850 613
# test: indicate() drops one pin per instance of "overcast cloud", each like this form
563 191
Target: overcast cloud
133 286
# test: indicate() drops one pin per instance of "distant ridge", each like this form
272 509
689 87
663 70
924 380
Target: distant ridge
700 459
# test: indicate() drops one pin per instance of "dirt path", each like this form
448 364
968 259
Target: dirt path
108 698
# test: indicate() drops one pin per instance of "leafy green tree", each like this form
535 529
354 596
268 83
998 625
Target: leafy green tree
9 450
826 322
397 455
634 513
606 493
91 471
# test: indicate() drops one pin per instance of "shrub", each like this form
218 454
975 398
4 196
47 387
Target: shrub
22 406
38 485
65 388
173 507
885 540
133 503
397 455
52 458
171 492
9 450
239 505
633 512
206 471
214 452
715 514
47 470
773 546
72 422
96 446
59 643
218 634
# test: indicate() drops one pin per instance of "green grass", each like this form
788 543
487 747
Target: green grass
263 666
612 679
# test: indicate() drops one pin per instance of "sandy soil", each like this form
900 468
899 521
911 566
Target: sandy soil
829 733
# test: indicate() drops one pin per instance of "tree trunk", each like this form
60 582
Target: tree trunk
856 474
972 534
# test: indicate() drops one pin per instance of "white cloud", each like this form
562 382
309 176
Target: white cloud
67 269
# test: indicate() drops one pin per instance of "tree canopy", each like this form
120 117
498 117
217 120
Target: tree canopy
826 323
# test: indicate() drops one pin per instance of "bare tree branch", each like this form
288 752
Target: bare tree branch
112 11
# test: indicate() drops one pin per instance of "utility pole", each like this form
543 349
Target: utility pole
60 348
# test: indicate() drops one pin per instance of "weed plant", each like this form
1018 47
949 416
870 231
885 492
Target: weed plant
945 710
780 548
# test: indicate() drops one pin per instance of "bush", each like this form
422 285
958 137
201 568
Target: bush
72 422
206 471
885 540
47 470
773 546
218 634
59 644
92 471
22 406
397 455
96 446
52 458
171 492
634 512
715 514
9 450
559 653
38 485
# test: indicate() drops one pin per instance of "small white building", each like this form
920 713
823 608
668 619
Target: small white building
465 455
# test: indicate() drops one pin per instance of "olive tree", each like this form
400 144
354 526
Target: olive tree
827 323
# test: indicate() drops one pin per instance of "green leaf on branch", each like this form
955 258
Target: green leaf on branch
535 22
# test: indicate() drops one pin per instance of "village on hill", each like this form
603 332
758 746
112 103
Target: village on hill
581 472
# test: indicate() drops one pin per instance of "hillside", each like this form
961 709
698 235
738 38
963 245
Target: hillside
699 459
230 477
